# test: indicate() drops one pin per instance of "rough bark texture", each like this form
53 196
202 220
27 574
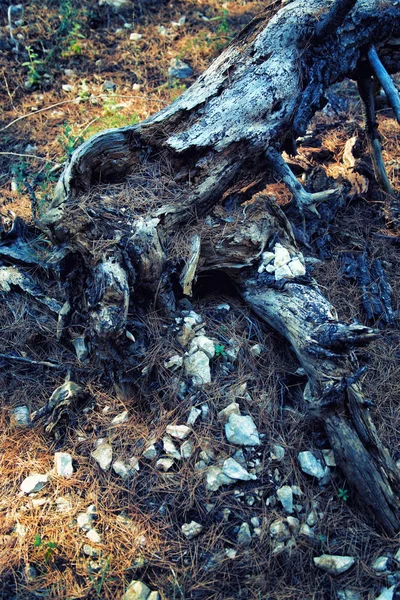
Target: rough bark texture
219 140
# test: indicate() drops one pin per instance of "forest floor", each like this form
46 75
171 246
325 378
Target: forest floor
70 69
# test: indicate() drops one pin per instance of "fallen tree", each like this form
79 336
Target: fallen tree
209 154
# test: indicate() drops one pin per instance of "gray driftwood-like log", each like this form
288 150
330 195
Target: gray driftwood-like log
223 138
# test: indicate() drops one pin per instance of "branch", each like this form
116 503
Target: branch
386 81
334 19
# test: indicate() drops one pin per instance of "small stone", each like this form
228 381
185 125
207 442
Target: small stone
348 594
122 469
306 531
94 536
84 521
215 478
170 449
197 365
162 30
329 458
193 415
179 69
34 483
296 490
203 343
397 555
164 464
312 518
135 37
294 524
205 411
297 267
20 417
103 455
231 409
386 593
90 551
134 463
185 335
255 521
277 452
239 457
256 350
279 530
241 430
282 256
381 564
207 455
179 432
187 449
283 272
333 564
191 530
121 418
81 349
150 452
136 590
109 86
244 534
153 596
67 87
231 553
234 470
285 497
63 504
63 464
174 363
311 465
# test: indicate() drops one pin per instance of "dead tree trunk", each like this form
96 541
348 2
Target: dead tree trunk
222 138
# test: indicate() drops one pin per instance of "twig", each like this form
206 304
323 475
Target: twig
30 361
29 156
386 81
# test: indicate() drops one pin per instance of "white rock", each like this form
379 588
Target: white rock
121 418
203 343
282 256
231 409
187 449
207 455
241 430
63 464
90 551
397 555
20 417
150 452
134 463
234 470
294 524
297 267
329 458
174 363
244 534
279 530
255 521
191 530
63 504
230 553
333 564
283 272
312 518
136 590
85 521
197 365
311 465
34 483
267 257
193 415
103 455
122 469
94 536
180 432
67 87
164 464
135 37
270 268
277 452
348 594
215 478
256 350
285 497
386 593
170 449
153 596
306 531
381 564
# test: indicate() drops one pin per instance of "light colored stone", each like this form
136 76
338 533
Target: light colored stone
234 470
297 268
256 350
193 415
283 272
197 366
121 418
150 452
153 596
294 525
103 455
185 335
281 256
134 463
277 452
333 564
191 530
85 521
329 458
311 465
63 504
94 536
81 349
244 534
306 531
268 257
20 417
34 483
241 430
279 530
63 464
170 449
397 555
187 449
381 564
348 594
215 478
90 551
231 553
386 593
122 469
231 409
203 343
312 518
135 37
164 464
208 455
136 590
285 497
180 432
174 363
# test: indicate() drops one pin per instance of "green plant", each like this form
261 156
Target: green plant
69 141
219 350
50 546
34 76
343 494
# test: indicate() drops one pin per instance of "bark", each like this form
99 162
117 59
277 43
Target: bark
222 139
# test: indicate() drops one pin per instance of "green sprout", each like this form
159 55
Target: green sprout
343 494
219 350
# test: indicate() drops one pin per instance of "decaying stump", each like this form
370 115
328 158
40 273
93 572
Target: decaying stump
218 145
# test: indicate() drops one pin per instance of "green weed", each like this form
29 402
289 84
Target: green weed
50 547
32 65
